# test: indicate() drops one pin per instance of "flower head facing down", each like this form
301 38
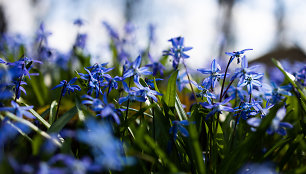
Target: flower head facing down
67 86
178 126
237 54
217 107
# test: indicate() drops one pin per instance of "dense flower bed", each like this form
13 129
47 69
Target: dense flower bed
63 113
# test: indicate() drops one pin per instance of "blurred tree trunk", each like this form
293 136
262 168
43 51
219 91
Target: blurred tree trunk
3 24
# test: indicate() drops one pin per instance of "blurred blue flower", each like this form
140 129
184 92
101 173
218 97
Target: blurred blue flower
78 22
19 110
254 168
80 41
114 34
106 149
178 126
67 86
181 82
276 126
156 67
72 165
237 91
42 35
301 76
104 109
276 93
177 51
18 88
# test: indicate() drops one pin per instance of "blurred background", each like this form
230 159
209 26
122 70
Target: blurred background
273 28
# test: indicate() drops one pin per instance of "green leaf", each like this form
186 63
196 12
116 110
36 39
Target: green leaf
52 111
80 111
170 95
40 118
160 153
33 127
59 124
194 145
179 109
37 142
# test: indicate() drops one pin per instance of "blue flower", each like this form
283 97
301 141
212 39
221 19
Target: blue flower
67 86
80 41
241 72
114 34
146 92
276 126
253 168
106 149
178 126
136 71
180 82
112 83
71 165
217 107
204 92
19 88
94 82
276 93
301 76
250 80
42 35
104 109
177 51
19 110
213 73
78 22
237 54
133 95
245 110
237 91
156 67
151 82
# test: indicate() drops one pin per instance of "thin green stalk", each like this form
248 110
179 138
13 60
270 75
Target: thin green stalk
221 92
128 102
153 114
59 101
33 127
195 97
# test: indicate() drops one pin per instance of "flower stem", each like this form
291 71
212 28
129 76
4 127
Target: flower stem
221 92
59 101
195 97
128 102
